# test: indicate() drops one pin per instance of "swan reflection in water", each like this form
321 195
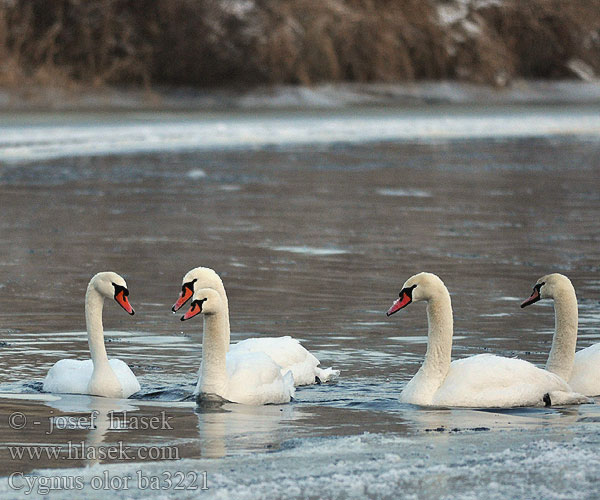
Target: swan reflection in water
221 428
443 420
97 415
227 428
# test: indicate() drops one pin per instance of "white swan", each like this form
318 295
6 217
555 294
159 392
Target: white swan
484 380
287 352
97 376
581 369
251 378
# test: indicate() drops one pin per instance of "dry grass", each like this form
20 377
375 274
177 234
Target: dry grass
352 40
71 41
245 42
544 35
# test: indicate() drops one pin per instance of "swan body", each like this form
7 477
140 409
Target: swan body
287 352
98 376
582 368
253 378
481 381
585 377
72 376
244 377
487 380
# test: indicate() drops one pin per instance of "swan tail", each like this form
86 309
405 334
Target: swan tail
325 375
288 380
561 398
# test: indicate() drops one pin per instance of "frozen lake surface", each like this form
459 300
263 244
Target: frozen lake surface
35 137
314 220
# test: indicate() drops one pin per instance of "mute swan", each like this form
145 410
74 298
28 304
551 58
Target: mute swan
97 376
581 369
250 378
285 351
484 380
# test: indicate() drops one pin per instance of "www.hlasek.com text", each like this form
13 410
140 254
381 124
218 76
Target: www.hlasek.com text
83 451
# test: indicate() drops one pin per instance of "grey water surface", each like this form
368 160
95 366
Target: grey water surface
313 239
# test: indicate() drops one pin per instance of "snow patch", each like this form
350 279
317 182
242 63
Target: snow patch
310 250
197 173
413 193
581 70
34 142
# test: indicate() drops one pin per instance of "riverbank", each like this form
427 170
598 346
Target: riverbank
326 96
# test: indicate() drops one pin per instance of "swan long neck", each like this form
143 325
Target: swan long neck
439 344
562 354
224 327
94 303
215 343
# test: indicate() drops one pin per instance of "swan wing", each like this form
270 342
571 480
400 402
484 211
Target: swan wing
255 379
69 376
327 374
290 355
72 376
493 381
129 382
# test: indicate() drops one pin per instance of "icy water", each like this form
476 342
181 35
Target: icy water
314 226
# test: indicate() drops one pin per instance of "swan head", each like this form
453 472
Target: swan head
422 286
112 286
549 287
197 278
205 301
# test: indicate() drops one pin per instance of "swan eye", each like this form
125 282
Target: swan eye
121 294
198 304
189 286
535 295
119 289
408 291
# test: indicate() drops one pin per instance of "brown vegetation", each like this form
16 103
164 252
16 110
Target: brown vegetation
244 42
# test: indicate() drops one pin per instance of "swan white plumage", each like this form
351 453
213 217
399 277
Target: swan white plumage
580 369
287 352
251 378
98 376
482 381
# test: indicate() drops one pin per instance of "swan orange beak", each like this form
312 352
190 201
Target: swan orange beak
400 303
123 301
184 296
535 296
195 309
